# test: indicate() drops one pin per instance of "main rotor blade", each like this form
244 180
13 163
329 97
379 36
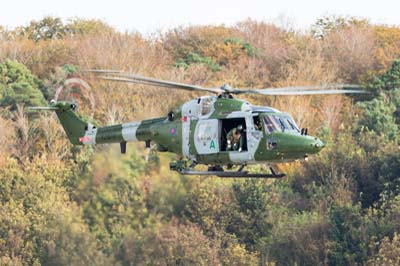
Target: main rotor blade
133 78
102 71
316 87
47 108
335 88
299 92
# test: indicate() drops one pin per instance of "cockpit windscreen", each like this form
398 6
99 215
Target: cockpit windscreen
275 123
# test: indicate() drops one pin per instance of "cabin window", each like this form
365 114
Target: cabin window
206 106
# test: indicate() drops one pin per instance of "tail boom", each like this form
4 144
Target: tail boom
81 132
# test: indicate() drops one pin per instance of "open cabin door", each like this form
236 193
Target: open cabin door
227 125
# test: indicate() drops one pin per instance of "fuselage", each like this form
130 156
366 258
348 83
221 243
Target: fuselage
198 131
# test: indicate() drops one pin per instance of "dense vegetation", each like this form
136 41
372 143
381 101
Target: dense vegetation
62 205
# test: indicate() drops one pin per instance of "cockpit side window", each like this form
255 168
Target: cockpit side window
269 125
276 123
292 124
280 122
257 123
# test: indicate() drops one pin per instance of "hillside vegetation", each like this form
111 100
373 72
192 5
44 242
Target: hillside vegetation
65 205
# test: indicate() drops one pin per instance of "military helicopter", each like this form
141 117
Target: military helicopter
200 131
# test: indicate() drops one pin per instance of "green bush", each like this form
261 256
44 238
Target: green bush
19 86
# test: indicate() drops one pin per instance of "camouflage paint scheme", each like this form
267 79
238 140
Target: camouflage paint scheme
195 131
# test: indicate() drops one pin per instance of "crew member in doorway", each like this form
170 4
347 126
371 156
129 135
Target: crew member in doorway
235 139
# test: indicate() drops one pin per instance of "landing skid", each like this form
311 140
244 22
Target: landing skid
239 174
217 170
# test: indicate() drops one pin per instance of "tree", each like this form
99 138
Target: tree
330 23
81 27
388 40
47 28
301 239
378 117
38 224
252 201
206 207
348 246
382 114
19 86
171 244
111 200
389 252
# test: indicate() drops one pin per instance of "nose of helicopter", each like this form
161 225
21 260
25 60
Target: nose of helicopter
295 145
316 145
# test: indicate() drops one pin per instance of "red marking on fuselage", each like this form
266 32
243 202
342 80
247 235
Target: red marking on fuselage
84 139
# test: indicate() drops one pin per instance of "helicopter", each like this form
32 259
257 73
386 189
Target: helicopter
200 131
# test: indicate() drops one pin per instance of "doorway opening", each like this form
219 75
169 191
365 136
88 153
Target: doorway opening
227 125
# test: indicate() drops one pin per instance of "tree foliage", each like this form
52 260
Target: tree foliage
19 86
331 23
47 28
381 114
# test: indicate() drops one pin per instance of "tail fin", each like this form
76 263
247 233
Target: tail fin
73 125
